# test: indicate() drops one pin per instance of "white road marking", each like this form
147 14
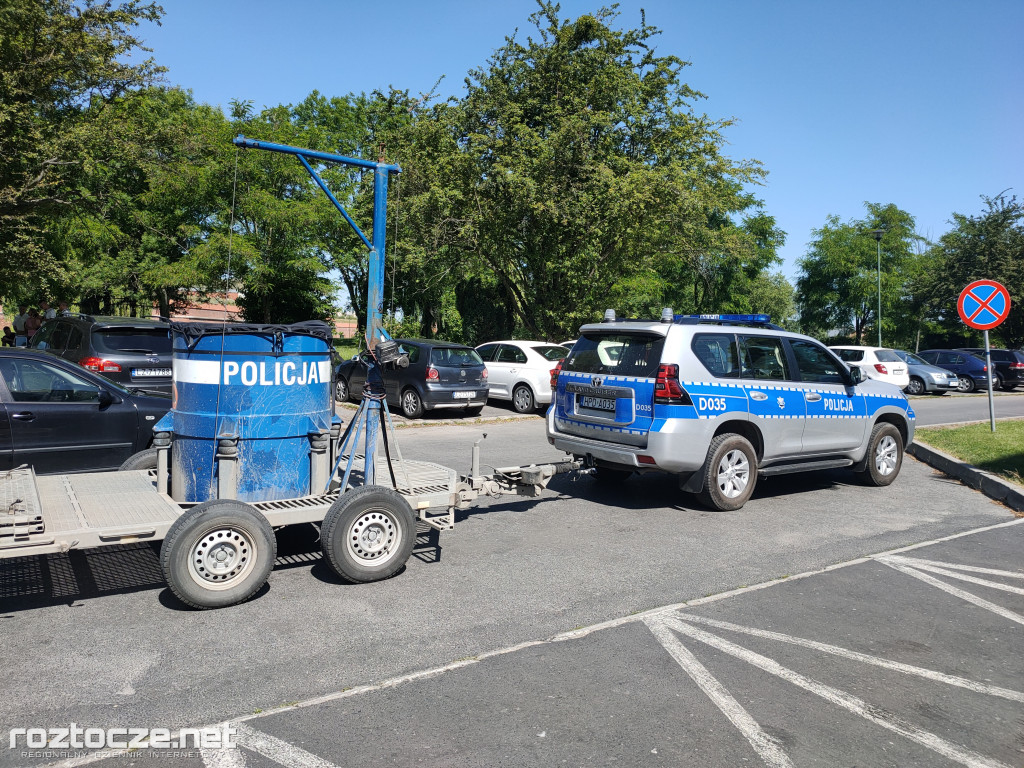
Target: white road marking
1006 613
923 565
957 567
279 751
840 698
222 758
570 635
929 674
766 747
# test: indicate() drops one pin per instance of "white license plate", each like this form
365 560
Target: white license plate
145 372
597 403
463 395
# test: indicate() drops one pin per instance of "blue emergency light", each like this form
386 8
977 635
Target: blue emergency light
760 319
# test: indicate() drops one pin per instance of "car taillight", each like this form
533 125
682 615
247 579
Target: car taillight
1017 366
554 374
432 374
881 368
483 373
667 388
99 364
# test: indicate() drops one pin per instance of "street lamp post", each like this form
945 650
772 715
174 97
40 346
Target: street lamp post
877 234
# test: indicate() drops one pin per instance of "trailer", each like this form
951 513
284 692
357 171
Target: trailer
251 444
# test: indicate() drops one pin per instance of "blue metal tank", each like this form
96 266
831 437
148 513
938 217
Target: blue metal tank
249 400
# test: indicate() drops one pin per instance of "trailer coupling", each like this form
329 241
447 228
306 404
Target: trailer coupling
529 480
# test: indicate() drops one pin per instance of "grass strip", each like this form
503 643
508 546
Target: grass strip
1000 452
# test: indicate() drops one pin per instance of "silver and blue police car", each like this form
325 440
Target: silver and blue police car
720 400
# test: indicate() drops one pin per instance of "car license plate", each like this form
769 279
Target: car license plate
597 403
463 395
145 372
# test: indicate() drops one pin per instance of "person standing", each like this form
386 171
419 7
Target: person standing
19 320
47 311
33 322
62 309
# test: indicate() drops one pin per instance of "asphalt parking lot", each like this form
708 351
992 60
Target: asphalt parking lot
566 628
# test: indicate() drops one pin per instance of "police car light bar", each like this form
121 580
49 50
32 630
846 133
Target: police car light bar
727 318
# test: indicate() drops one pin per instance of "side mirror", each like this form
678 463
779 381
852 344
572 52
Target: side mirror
856 374
105 397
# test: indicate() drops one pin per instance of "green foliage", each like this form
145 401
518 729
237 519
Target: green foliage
838 287
62 67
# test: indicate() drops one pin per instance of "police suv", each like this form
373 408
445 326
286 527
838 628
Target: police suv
719 400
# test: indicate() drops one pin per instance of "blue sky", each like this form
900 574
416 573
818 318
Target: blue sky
918 103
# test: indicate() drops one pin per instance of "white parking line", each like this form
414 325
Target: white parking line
842 699
929 674
933 567
958 567
1006 613
769 750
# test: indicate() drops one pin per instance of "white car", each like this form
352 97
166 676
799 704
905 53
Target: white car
878 363
520 371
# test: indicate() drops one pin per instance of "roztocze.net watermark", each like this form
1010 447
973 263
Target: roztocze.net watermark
74 736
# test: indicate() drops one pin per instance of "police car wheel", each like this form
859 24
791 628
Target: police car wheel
218 553
730 472
885 455
368 534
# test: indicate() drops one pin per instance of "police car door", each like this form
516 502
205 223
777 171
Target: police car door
836 417
776 406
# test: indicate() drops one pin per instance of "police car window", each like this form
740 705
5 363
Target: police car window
617 354
814 363
717 353
763 358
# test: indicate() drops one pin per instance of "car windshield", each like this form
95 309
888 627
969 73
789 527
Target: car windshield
455 356
551 352
619 354
849 355
155 341
910 357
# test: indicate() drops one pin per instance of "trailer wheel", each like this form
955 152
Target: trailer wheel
218 553
368 534
142 460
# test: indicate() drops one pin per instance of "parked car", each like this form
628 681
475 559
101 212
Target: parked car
719 400
1008 364
970 369
440 375
59 417
877 363
925 377
134 352
520 371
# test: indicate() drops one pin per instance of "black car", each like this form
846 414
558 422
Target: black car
970 368
132 351
59 417
440 375
1009 365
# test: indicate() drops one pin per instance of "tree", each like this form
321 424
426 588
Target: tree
838 286
62 63
586 176
986 246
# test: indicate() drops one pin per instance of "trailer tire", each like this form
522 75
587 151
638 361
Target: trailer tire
218 553
142 460
368 534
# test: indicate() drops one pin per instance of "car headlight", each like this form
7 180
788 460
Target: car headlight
938 377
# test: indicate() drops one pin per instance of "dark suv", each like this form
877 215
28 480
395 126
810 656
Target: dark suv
132 351
970 368
1009 365
440 375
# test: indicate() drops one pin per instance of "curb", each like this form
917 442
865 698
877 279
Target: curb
991 485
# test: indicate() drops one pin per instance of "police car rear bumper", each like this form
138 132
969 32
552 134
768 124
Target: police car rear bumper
673 452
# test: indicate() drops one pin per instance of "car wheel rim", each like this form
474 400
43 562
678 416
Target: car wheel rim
915 387
886 455
374 537
340 391
964 385
733 474
221 558
410 404
524 400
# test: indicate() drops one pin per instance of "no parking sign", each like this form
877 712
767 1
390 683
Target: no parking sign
984 304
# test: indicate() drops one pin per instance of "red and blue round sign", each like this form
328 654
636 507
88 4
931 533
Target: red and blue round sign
983 304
